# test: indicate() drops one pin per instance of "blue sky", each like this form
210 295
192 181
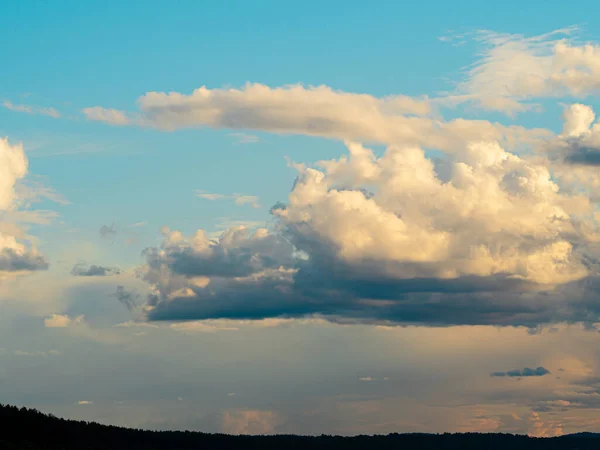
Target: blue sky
434 167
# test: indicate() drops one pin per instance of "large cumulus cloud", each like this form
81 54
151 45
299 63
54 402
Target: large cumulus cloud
477 236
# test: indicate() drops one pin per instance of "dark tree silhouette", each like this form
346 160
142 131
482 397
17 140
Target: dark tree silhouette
22 429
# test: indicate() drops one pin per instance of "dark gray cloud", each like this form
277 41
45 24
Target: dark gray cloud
292 271
108 231
526 372
238 254
582 154
325 287
12 261
128 298
82 269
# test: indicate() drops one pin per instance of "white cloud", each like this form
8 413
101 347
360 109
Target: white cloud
110 116
62 321
84 402
28 109
15 257
13 166
577 120
513 69
314 111
238 199
496 214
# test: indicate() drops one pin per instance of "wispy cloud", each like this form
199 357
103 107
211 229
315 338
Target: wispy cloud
109 116
137 225
31 109
244 138
82 269
107 231
238 199
36 353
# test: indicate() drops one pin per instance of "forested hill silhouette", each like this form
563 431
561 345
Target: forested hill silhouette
23 429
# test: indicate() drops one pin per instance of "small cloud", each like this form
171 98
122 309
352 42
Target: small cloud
180 399
81 269
367 379
107 115
85 402
202 326
137 225
244 138
62 321
30 109
231 394
128 298
225 223
238 199
108 231
526 372
132 324
36 353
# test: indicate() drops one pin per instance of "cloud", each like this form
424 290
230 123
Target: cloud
202 327
109 116
14 255
132 324
513 69
242 421
244 138
137 224
36 353
44 111
239 199
108 231
128 298
13 167
237 253
314 111
574 154
579 142
526 372
480 236
85 402
30 191
82 269
18 258
62 321
457 222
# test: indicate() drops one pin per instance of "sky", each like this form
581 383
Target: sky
327 217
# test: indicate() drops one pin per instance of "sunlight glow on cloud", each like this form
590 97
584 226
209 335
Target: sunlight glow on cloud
482 230
513 70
